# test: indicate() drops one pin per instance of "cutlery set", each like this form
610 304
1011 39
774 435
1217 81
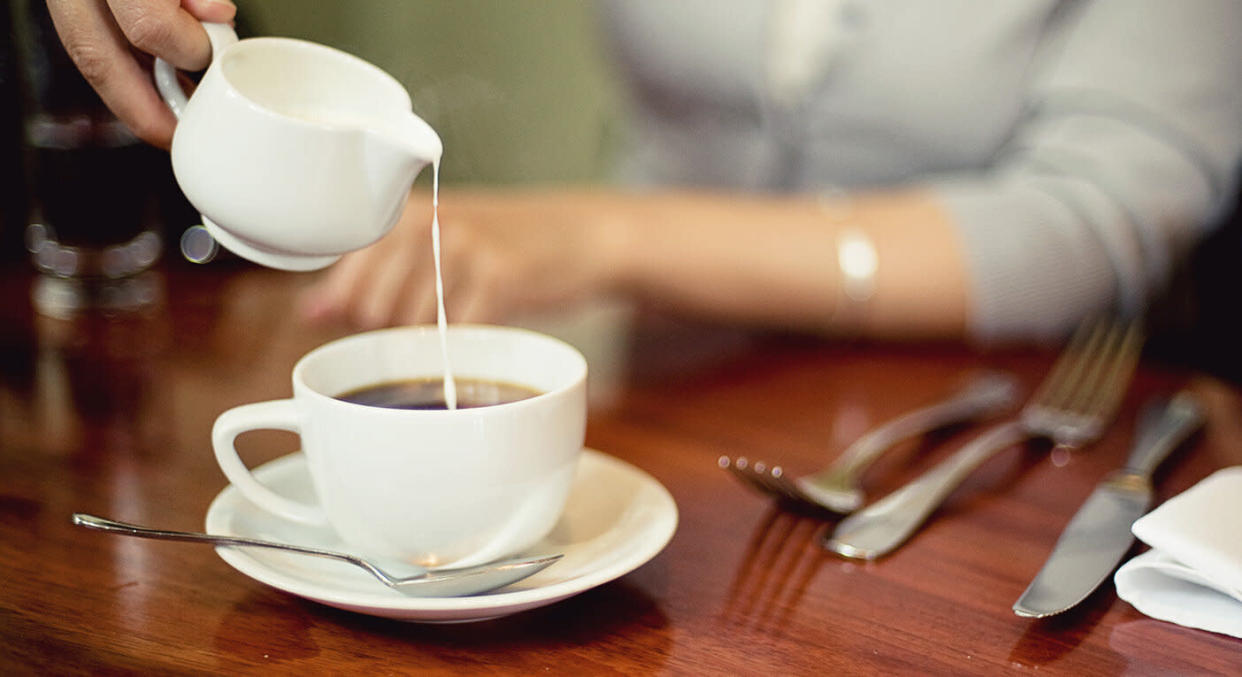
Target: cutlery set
1072 407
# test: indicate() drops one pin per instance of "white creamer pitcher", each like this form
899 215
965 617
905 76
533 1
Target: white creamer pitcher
294 152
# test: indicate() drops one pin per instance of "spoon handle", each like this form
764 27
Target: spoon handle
420 582
127 529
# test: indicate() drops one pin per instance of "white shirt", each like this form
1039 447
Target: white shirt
1081 146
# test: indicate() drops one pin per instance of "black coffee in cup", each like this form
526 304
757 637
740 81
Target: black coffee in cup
428 393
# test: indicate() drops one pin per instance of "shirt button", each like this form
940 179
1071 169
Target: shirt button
853 15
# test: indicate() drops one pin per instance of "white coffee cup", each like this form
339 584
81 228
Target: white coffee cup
432 487
294 152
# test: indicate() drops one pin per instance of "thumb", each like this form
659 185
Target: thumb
214 11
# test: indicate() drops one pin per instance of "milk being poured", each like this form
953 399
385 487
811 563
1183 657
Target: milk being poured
450 386
411 132
404 130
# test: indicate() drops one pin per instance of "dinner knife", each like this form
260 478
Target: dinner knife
1099 535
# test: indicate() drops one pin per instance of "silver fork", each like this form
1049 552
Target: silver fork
1072 407
836 488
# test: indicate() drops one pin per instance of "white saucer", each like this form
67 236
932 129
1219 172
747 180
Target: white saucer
617 518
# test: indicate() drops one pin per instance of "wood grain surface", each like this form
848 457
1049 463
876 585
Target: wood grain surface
112 414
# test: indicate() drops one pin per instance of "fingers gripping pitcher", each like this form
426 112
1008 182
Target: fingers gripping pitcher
294 152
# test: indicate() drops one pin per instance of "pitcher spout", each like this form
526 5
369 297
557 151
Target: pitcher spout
406 135
396 150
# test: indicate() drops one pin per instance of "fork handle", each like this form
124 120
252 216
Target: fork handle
879 528
985 395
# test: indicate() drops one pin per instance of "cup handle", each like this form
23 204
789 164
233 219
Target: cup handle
220 36
274 415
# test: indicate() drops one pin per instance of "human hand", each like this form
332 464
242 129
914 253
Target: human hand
112 41
502 253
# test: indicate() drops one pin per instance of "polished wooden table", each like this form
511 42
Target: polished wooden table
111 415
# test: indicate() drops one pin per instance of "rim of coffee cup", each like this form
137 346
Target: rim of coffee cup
579 374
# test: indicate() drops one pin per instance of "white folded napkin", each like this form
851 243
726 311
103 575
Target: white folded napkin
1192 576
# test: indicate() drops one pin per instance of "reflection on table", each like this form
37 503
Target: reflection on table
112 414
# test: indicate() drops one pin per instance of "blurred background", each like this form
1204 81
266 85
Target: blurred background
520 93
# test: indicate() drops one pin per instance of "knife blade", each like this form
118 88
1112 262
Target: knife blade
1098 536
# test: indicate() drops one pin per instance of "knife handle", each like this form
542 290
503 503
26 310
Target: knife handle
1165 425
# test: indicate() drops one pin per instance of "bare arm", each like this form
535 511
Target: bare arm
753 260
774 261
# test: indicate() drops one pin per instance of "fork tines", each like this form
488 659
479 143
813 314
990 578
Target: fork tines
767 480
1092 373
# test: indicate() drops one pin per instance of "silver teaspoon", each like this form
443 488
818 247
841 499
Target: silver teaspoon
427 583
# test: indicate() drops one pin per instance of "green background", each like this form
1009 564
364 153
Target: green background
519 90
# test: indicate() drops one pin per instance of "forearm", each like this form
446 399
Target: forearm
766 261
773 261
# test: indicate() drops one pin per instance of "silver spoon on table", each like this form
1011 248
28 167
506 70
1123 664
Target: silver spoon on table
426 583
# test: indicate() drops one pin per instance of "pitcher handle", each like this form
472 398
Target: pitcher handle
220 36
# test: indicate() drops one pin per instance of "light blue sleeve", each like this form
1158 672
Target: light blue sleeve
1128 150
